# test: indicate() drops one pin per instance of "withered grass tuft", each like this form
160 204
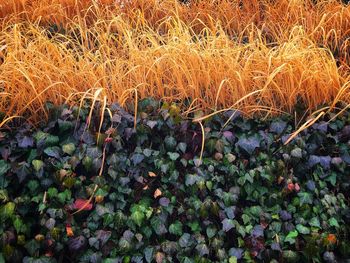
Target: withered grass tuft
271 53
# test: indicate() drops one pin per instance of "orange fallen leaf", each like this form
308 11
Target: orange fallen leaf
39 237
69 231
99 199
331 238
151 174
157 193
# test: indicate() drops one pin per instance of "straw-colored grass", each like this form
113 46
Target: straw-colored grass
217 52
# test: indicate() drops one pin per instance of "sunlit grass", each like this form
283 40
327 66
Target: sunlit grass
217 52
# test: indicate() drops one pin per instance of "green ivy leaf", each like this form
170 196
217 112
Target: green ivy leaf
211 232
246 219
18 224
53 152
290 238
32 247
191 179
7 210
333 222
173 156
52 192
68 148
137 216
176 228
305 198
302 229
290 256
64 196
148 252
4 167
182 147
195 227
37 164
227 224
315 222
170 143
33 185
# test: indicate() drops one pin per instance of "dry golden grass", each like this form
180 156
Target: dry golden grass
217 52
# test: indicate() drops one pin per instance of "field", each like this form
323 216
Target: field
257 56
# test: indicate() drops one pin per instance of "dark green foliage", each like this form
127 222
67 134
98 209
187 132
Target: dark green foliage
250 199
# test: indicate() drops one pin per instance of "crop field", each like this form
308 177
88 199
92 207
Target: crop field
256 56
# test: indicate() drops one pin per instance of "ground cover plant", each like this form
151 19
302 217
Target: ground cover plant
74 190
269 52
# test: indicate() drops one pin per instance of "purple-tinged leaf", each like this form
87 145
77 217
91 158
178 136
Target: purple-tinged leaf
228 135
102 210
184 126
54 151
278 126
230 212
50 223
191 179
197 162
164 201
94 152
103 236
76 244
329 257
128 235
336 160
313 160
285 215
321 126
95 258
284 138
65 113
236 252
202 250
25 141
5 152
22 171
311 185
297 153
137 158
276 246
324 161
185 240
344 135
267 138
151 124
249 144
258 231
232 114
227 224
116 118
87 137
346 157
